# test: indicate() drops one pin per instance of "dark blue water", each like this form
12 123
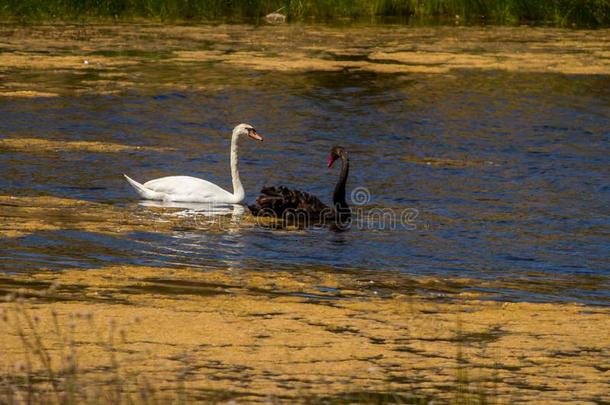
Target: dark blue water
506 175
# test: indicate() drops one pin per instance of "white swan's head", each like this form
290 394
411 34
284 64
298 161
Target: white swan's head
247 129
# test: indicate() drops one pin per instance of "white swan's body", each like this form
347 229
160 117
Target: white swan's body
184 189
194 190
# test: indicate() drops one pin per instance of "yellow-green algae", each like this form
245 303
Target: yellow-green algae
39 145
27 94
116 56
20 216
261 336
465 161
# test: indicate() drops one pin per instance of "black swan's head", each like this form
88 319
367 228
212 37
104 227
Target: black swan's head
335 153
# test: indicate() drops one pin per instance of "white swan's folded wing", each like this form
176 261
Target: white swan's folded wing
188 189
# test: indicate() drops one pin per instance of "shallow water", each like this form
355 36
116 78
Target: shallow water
507 169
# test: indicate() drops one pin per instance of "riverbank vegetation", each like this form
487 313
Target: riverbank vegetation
592 13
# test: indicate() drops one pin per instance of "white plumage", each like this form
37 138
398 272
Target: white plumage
192 189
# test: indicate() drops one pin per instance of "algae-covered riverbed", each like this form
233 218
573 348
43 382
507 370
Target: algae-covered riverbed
257 337
493 140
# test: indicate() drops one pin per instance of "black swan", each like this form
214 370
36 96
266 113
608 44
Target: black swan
295 206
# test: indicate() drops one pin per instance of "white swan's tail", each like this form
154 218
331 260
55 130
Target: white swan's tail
144 192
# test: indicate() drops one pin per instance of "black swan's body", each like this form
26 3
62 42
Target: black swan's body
295 206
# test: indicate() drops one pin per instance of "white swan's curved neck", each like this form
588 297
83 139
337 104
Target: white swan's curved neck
238 188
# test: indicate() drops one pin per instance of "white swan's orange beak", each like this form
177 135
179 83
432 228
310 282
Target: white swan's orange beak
254 135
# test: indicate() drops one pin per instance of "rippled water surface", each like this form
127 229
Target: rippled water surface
507 169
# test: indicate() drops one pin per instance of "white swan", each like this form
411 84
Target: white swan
192 189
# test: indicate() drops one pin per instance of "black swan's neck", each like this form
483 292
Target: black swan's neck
339 193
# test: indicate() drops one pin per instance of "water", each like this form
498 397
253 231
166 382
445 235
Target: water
508 171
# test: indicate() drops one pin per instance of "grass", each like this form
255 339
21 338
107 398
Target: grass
591 13
51 370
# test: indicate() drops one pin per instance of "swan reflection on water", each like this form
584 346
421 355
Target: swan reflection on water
204 236
195 210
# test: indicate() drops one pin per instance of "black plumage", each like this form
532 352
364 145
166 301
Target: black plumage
298 207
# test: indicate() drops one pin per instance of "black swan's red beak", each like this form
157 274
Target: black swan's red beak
331 160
